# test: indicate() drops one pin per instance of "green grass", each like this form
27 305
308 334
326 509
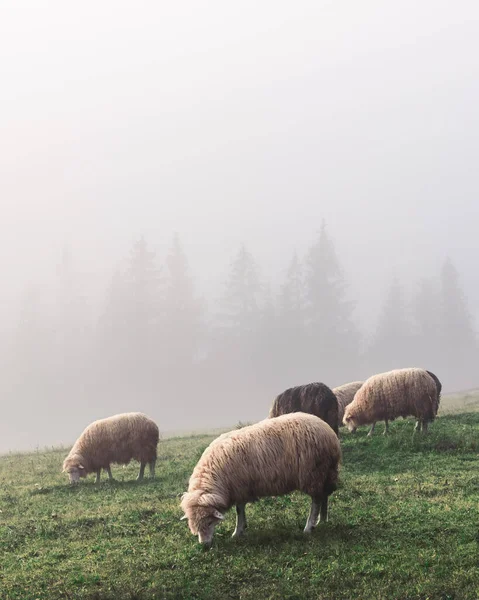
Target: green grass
404 524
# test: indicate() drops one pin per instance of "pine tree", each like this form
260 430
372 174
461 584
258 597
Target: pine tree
183 310
291 299
269 340
458 331
328 310
237 348
391 348
130 329
426 308
242 299
145 294
114 324
427 318
291 340
334 340
459 346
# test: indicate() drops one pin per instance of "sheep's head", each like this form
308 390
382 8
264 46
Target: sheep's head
202 516
350 423
75 470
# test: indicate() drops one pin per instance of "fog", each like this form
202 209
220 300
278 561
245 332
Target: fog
161 164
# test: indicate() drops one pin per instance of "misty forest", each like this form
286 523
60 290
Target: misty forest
154 342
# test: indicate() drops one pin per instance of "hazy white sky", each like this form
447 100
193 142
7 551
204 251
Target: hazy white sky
246 121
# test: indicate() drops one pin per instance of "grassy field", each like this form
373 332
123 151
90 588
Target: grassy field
404 524
460 402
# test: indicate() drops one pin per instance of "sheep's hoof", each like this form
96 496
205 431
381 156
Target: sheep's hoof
237 534
308 530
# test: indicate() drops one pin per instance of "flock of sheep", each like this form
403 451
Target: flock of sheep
296 448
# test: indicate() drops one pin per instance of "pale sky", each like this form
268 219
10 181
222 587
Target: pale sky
246 121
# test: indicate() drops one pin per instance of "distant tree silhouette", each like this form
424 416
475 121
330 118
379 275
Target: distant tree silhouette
238 358
392 344
242 299
459 345
334 339
426 309
114 326
292 297
269 341
292 341
183 311
144 292
458 331
131 325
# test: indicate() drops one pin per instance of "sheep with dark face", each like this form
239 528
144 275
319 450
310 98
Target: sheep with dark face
387 396
345 395
313 398
271 458
116 439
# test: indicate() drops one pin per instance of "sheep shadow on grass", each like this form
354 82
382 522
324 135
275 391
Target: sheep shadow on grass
325 536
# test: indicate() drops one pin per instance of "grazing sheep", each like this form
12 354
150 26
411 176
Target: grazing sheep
387 396
271 458
116 439
313 398
345 395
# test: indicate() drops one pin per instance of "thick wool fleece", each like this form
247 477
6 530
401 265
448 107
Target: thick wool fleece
345 395
313 398
398 393
116 439
273 457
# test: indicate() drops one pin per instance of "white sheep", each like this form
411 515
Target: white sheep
345 395
276 456
116 439
398 393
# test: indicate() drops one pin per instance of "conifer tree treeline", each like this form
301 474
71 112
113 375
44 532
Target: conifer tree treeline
433 330
157 346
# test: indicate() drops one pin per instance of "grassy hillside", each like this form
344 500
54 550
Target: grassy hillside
460 402
404 524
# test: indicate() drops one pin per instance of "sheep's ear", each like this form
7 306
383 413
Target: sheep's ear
183 518
219 515
81 467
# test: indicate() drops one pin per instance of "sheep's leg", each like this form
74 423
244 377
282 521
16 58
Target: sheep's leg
323 515
424 426
98 475
152 464
313 516
142 471
386 428
418 425
370 433
241 524
108 470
